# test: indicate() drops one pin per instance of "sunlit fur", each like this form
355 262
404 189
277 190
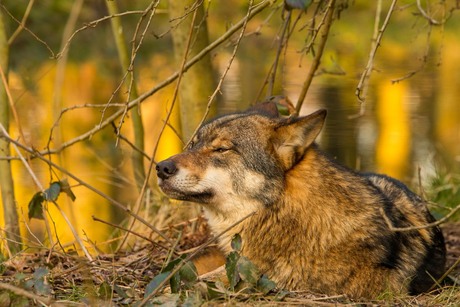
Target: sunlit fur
317 225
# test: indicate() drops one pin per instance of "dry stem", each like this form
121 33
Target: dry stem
360 89
324 26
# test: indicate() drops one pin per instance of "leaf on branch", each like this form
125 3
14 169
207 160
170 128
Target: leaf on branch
65 188
36 206
52 193
297 4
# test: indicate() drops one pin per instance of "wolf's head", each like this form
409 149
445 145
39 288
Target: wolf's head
239 161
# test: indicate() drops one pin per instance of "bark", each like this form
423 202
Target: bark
11 228
198 82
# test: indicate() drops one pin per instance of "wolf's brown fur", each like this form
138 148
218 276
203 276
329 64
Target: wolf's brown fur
317 225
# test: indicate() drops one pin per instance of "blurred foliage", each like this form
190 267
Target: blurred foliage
444 190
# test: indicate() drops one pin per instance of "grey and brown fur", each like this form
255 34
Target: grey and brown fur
317 226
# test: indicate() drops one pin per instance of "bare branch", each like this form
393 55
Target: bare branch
429 225
30 32
370 63
430 19
21 292
326 22
222 78
22 24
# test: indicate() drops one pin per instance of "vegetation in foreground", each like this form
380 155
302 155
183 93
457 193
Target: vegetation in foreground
152 275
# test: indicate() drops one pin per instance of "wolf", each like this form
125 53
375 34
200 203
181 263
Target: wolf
306 221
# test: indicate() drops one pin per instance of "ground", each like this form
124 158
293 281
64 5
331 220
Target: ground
123 278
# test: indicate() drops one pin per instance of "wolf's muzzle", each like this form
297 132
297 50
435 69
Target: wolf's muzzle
166 169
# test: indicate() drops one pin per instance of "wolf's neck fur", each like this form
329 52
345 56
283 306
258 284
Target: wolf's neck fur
317 201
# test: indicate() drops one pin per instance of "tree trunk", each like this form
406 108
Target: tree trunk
11 229
198 82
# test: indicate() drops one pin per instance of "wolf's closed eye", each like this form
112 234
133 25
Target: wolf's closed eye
221 149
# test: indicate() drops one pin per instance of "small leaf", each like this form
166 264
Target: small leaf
65 188
104 291
236 242
248 271
232 269
155 282
173 263
20 276
40 273
36 206
188 272
297 4
174 283
42 287
265 285
52 193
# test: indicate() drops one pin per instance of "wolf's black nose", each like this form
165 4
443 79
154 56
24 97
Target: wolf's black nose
166 169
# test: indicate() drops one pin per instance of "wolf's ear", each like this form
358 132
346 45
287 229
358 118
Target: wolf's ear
267 108
293 137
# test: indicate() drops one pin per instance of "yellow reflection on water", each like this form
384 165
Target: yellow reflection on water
393 143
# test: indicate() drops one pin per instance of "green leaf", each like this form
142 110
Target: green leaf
249 272
173 263
188 273
104 291
232 269
236 242
155 282
52 193
174 283
36 206
42 287
65 188
265 285
40 273
297 4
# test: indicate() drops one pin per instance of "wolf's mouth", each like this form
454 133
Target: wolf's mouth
199 197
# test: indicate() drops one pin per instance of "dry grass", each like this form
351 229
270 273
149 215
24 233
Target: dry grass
122 278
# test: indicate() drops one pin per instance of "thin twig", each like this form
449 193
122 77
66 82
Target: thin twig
74 232
30 32
22 23
133 147
12 105
429 225
370 63
325 26
224 74
21 292
430 19
93 24
134 233
272 78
